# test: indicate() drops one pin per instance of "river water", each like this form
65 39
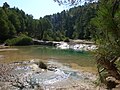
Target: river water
61 77
47 53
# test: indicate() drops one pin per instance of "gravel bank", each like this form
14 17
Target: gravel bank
28 76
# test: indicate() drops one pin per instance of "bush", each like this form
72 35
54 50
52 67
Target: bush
19 41
57 39
67 40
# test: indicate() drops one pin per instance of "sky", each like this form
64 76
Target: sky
38 8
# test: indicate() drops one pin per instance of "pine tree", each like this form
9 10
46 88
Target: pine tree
107 37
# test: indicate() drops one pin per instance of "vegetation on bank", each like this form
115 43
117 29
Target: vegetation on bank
71 24
106 34
21 40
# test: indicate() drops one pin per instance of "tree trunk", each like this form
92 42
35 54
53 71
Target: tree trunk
110 67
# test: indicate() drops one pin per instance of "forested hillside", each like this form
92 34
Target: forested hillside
73 24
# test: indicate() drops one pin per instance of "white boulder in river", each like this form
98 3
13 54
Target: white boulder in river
63 45
77 47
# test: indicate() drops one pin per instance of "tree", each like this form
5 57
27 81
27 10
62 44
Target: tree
45 25
106 36
13 17
3 30
74 23
7 30
5 5
72 2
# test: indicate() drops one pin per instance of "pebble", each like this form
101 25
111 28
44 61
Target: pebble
22 79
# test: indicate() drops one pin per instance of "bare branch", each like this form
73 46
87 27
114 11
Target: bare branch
72 2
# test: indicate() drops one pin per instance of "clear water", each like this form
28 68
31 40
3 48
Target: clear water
49 53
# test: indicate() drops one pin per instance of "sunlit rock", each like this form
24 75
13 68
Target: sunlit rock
34 67
63 45
77 47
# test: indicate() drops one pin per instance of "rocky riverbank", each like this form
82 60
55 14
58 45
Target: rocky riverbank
28 75
77 45
2 46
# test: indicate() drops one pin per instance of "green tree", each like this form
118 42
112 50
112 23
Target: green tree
3 30
74 23
107 37
45 25
7 30
30 25
6 5
13 18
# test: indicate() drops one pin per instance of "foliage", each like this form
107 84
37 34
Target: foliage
75 23
58 27
67 40
14 22
107 36
19 41
71 2
7 30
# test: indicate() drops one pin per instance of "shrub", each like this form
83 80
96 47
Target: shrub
57 39
67 40
19 41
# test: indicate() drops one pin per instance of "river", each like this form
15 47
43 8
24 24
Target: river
47 53
66 75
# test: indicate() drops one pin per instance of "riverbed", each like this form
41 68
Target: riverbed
27 75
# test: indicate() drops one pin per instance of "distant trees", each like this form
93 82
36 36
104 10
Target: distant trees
14 22
58 27
5 5
7 30
75 23
72 2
